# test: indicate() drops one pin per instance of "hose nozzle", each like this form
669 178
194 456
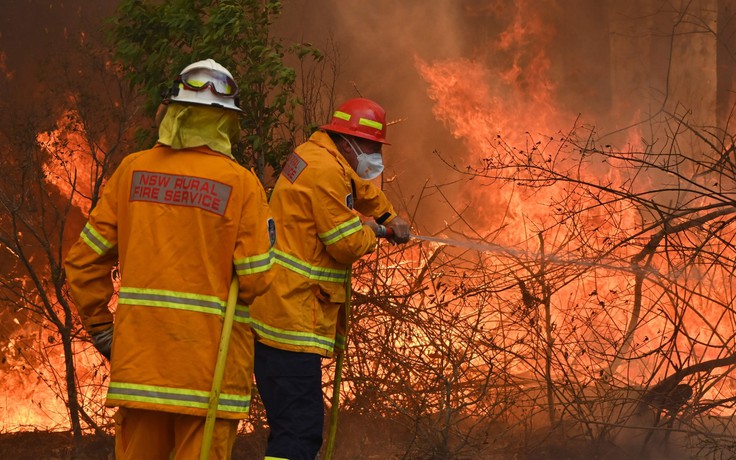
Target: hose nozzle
384 232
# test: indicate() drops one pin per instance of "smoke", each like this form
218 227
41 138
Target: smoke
379 44
459 73
32 34
535 66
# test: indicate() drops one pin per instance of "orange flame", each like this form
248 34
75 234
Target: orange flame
71 166
506 108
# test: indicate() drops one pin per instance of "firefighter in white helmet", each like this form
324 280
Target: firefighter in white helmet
301 318
179 218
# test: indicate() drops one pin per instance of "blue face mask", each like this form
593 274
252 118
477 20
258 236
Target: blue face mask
370 165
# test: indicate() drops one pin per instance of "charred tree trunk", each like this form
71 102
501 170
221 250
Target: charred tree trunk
549 340
71 383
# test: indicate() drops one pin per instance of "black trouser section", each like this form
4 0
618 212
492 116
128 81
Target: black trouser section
290 385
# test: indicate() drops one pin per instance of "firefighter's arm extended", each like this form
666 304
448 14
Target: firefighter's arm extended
338 226
371 201
253 255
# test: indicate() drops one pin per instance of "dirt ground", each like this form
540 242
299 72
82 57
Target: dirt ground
41 445
354 442
44 445
357 439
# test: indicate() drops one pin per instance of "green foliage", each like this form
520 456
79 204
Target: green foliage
155 40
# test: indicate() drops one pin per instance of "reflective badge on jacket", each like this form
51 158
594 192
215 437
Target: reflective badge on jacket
196 192
293 167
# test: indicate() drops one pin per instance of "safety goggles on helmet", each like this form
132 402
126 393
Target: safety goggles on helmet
200 79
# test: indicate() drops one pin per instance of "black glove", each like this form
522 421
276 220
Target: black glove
102 341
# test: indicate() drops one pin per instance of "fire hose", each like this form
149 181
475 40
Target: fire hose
383 232
227 327
335 400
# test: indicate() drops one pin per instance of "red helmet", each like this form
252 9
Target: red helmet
360 118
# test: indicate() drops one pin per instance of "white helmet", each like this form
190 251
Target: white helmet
207 83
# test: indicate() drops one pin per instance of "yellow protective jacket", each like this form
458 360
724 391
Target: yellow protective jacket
179 222
319 237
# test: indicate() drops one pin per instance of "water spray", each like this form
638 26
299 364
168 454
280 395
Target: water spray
517 253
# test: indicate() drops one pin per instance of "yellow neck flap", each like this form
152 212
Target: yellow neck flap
188 125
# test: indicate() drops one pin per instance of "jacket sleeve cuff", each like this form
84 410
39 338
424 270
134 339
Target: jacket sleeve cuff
385 218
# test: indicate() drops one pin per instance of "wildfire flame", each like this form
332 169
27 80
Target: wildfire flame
33 356
513 111
71 165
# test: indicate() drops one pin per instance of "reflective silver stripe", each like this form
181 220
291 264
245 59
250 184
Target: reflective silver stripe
176 397
242 313
171 299
305 339
94 240
341 231
310 271
254 264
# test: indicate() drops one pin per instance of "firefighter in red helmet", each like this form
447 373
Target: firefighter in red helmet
182 219
314 203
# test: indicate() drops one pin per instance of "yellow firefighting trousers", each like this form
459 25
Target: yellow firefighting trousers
152 435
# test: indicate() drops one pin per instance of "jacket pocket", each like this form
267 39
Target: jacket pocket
330 292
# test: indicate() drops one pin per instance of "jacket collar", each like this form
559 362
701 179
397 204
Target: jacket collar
322 139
